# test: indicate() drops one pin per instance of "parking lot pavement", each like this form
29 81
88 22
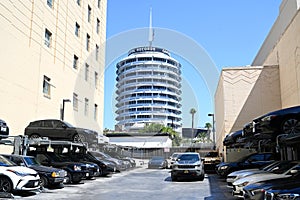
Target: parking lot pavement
219 189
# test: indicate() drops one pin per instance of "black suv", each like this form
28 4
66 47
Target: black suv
75 171
60 130
255 160
4 130
50 176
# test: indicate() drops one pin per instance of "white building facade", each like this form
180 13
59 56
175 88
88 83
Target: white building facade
52 51
148 89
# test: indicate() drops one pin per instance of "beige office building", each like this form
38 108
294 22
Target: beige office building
271 83
52 50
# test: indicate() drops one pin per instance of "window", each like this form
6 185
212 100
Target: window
95 112
75 101
97 52
77 29
75 62
78 2
86 107
48 38
86 73
50 3
88 38
96 80
46 86
99 3
89 13
98 26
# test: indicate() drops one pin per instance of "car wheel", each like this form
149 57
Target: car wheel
68 178
5 185
201 177
79 138
44 181
290 126
34 136
174 178
100 172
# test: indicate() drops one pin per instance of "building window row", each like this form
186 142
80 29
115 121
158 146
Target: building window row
86 106
163 60
148 67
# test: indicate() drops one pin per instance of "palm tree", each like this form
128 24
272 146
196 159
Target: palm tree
192 111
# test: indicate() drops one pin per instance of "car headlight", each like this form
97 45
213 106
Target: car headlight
268 118
18 173
77 168
244 184
287 196
224 167
55 174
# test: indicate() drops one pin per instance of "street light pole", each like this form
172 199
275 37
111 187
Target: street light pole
63 108
213 129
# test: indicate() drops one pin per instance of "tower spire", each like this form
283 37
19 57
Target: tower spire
151 32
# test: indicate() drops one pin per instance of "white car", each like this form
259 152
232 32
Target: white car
233 176
13 178
172 159
284 171
188 165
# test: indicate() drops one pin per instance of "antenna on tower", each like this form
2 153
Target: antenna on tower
151 31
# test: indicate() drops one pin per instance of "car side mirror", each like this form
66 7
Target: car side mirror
64 126
202 159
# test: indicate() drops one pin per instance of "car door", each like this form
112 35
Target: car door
47 130
63 131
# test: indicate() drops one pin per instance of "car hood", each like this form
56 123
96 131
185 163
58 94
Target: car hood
41 168
183 162
259 177
245 171
156 161
21 169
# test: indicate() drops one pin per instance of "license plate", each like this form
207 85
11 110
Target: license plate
186 171
87 174
3 129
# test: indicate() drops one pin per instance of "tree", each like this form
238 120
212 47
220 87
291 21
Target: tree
176 139
192 111
151 128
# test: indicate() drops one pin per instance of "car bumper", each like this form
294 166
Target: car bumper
28 184
238 191
187 173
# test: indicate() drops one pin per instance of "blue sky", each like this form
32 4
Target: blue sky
230 32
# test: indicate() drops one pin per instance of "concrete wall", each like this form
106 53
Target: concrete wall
25 60
244 93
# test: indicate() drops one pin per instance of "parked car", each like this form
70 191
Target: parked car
283 121
233 176
104 168
283 194
130 162
188 165
284 171
157 162
4 129
17 178
60 130
120 164
49 176
233 138
211 159
75 171
257 191
172 159
251 161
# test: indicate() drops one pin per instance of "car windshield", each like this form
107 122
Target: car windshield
68 124
192 157
283 167
157 158
212 154
5 162
31 161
